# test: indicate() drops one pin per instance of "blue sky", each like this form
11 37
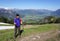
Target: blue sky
31 4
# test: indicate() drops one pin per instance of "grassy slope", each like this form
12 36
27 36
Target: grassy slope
6 35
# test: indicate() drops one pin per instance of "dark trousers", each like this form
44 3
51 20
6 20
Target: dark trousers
17 31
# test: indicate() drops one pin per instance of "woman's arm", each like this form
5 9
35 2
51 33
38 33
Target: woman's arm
21 20
14 21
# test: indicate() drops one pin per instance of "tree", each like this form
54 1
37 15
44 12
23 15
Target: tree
3 19
57 20
50 19
11 21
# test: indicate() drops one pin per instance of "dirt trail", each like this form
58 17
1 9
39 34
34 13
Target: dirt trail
40 36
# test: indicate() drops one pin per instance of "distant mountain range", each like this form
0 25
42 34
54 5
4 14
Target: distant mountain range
28 13
56 13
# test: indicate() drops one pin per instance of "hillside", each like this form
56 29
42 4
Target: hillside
56 13
33 33
28 14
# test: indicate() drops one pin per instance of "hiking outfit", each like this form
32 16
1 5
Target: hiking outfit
17 22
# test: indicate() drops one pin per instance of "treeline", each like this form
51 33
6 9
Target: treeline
6 20
52 19
46 20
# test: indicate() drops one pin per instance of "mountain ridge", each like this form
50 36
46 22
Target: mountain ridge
10 13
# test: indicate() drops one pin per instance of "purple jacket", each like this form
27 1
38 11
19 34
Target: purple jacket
17 21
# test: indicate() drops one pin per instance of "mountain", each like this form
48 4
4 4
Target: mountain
56 13
33 13
28 13
8 13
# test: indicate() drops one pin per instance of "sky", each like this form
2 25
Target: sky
31 4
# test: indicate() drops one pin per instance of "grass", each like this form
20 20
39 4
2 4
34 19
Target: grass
6 35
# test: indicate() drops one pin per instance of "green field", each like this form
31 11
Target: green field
6 35
6 25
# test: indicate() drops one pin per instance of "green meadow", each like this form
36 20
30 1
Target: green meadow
8 35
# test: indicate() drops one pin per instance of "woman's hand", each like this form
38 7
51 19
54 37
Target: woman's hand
15 23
